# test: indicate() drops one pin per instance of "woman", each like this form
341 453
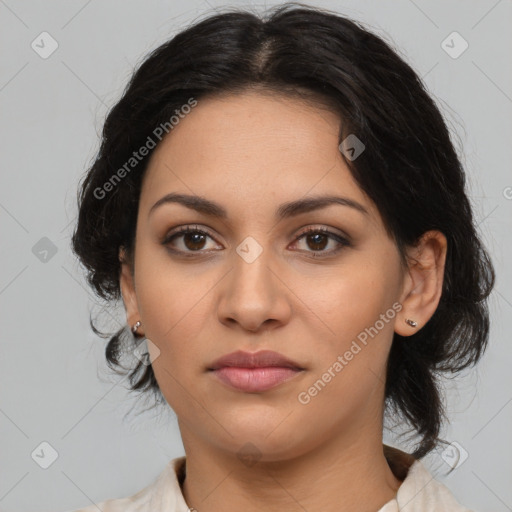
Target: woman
278 204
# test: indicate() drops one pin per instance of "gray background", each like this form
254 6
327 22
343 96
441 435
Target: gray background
53 380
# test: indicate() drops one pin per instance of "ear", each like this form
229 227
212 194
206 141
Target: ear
423 283
127 284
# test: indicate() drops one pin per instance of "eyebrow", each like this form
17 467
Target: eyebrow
285 210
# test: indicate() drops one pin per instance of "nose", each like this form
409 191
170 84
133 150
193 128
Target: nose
253 297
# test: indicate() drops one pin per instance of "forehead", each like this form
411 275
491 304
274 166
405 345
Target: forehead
241 125
252 146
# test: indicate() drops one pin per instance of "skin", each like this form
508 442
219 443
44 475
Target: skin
250 153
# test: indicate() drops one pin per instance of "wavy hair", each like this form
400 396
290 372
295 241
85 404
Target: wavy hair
410 170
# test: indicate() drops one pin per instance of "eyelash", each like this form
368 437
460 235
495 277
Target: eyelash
343 242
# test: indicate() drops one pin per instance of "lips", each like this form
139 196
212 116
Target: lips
262 359
254 372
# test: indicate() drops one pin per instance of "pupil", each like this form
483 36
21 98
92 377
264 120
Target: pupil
317 240
196 238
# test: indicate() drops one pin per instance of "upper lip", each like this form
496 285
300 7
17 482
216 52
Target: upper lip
261 359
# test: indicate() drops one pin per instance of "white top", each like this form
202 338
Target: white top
419 492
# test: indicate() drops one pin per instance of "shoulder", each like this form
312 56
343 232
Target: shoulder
164 493
420 491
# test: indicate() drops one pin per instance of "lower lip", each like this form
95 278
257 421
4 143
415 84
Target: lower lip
255 379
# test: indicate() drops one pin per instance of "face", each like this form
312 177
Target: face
320 284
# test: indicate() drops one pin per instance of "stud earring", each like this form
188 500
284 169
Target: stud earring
412 323
136 326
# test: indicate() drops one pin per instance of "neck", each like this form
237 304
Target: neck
347 474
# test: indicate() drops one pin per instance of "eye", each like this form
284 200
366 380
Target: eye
190 239
187 239
318 239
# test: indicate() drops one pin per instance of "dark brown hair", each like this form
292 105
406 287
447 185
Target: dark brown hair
409 168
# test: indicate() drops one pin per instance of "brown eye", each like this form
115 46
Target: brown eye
193 241
317 239
187 239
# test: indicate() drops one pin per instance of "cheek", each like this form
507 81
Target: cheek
350 366
175 323
168 294
358 308
352 301
173 305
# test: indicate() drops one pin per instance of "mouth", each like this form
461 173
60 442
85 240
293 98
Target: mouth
254 372
255 380
261 359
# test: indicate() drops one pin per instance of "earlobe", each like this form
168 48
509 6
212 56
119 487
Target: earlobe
423 284
127 285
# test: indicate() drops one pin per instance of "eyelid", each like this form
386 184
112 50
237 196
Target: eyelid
323 229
